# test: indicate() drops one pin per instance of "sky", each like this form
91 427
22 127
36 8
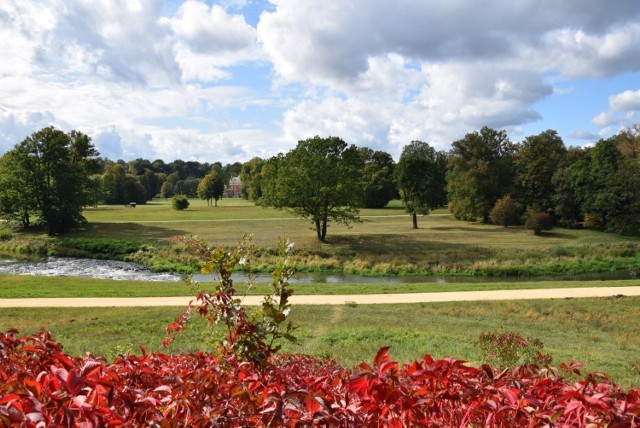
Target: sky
229 80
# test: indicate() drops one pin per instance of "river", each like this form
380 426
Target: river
117 270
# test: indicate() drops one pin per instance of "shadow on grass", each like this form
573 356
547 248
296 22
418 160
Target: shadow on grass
404 245
496 229
557 235
127 231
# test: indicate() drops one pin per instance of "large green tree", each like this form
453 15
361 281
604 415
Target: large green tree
570 175
480 171
47 176
420 175
251 178
319 180
211 187
535 164
379 187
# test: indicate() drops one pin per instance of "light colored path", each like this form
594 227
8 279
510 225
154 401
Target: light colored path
364 299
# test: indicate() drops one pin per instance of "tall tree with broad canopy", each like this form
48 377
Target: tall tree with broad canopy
480 171
379 185
211 187
535 163
47 176
251 178
420 175
320 180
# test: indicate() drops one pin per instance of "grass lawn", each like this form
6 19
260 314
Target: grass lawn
25 286
382 244
225 224
602 332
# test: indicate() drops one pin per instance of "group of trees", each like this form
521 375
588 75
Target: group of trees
52 175
490 178
483 177
140 180
46 177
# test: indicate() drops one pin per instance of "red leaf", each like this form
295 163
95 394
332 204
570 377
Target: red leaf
33 386
381 356
511 395
359 385
90 368
74 382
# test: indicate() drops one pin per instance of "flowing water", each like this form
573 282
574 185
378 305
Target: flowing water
117 270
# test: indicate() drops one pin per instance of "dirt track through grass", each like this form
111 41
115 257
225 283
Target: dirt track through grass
361 299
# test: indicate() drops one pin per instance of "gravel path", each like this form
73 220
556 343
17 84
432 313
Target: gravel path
364 299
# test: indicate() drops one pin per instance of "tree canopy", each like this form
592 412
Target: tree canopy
251 178
211 187
535 163
47 176
379 187
420 175
320 180
480 171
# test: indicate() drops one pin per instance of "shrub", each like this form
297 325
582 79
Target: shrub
538 222
180 202
5 235
508 349
249 335
506 212
42 386
593 221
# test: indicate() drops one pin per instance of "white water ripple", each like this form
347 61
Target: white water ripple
105 269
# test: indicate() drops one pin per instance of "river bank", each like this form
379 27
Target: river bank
358 260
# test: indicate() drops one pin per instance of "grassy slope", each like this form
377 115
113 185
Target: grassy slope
601 332
22 286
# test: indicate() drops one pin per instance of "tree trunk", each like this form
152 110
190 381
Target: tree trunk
324 229
319 231
414 217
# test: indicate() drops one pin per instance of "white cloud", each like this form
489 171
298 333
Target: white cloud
14 127
370 71
625 101
393 73
211 30
624 109
577 53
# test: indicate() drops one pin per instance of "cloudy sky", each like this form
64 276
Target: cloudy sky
229 80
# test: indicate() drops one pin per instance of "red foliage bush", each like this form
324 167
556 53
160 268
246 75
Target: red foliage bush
41 386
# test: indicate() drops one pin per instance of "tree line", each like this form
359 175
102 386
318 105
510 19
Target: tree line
485 177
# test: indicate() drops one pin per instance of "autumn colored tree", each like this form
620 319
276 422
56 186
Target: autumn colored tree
506 212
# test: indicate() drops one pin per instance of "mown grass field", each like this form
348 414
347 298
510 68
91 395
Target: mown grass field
600 332
23 286
225 224
382 244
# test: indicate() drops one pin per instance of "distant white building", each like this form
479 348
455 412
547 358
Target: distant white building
234 187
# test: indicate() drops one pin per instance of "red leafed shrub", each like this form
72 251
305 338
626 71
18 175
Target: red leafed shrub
41 386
